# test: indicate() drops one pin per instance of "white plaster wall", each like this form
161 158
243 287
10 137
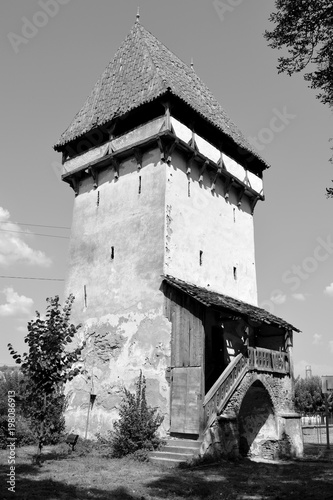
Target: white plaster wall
123 320
206 222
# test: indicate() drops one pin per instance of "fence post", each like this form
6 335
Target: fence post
327 424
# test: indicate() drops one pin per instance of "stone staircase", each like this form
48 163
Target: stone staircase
175 451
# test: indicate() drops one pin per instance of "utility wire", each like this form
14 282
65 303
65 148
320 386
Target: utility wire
30 278
35 234
37 225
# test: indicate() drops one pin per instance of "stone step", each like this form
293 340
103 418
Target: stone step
180 449
165 462
175 451
170 454
184 443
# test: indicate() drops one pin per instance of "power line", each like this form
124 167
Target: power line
30 278
35 234
36 225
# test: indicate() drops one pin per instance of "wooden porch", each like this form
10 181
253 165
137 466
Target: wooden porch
257 359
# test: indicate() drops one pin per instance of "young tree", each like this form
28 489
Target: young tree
47 366
305 28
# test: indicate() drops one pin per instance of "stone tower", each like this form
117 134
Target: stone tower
161 257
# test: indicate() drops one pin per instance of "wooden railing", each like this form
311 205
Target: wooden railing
259 359
266 360
224 387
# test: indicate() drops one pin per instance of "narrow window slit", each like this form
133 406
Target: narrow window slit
235 273
85 295
112 253
234 214
189 188
200 257
97 202
140 184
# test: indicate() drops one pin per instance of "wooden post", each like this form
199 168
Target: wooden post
87 424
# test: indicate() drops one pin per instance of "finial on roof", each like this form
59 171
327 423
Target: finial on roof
192 63
138 15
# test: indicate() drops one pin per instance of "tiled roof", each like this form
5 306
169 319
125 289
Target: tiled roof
220 301
142 70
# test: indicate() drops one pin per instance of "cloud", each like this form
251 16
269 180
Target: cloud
15 303
317 338
13 247
278 298
299 296
22 329
329 290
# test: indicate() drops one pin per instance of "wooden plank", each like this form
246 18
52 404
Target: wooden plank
186 404
173 338
177 339
178 400
185 334
193 400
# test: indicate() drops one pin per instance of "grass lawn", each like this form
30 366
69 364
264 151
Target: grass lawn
92 476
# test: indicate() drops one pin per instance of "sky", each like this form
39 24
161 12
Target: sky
52 53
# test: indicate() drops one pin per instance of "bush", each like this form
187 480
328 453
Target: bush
11 380
136 429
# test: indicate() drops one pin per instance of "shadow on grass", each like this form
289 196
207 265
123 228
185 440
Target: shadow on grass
48 489
229 480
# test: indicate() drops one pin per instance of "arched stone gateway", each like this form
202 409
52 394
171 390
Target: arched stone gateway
258 421
257 424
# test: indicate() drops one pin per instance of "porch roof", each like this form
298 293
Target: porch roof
224 302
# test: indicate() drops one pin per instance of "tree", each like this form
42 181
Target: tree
308 395
136 428
47 366
11 382
305 28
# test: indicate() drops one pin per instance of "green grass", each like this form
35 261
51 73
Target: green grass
88 474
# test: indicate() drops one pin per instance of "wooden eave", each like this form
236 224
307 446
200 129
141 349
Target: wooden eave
169 142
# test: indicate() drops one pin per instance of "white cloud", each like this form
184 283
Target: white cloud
15 303
299 296
22 329
329 290
13 247
317 338
278 298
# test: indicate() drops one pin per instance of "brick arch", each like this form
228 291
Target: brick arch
274 387
257 424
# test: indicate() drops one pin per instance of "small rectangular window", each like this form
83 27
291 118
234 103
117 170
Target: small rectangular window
140 184
234 214
112 253
235 273
200 257
85 295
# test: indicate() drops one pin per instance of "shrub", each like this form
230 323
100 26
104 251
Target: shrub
138 423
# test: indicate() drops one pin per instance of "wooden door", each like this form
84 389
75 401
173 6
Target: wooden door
186 400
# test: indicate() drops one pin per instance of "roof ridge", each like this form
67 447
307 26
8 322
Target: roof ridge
144 31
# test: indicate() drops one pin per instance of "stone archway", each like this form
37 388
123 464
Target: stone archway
258 432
